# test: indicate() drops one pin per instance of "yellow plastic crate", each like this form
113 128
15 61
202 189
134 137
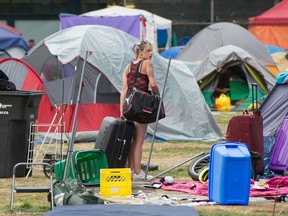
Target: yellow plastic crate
115 182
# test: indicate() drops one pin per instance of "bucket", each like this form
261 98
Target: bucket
229 173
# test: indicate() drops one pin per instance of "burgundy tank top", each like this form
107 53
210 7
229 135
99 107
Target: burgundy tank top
142 80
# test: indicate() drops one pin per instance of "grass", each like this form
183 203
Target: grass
165 154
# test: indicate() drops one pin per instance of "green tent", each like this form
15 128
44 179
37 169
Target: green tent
245 70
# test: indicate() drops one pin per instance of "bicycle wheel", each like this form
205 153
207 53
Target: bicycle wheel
46 169
197 164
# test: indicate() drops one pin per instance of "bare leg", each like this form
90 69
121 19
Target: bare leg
130 154
135 155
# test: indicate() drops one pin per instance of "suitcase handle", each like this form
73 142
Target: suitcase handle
123 143
254 100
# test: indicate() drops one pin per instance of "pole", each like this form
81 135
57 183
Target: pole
71 145
200 154
156 124
212 11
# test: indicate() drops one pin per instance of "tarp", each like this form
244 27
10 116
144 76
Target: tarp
153 22
281 60
279 56
124 210
128 24
10 28
221 34
273 49
172 52
245 69
271 27
9 39
12 44
59 60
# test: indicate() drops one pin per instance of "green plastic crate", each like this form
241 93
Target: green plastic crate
85 166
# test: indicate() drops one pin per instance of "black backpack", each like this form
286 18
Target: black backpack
6 85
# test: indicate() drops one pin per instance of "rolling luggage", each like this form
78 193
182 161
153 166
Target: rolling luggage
248 129
279 158
114 139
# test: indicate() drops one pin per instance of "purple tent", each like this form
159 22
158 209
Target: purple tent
10 39
128 24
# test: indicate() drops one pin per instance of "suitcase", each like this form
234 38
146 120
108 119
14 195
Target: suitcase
248 129
279 158
114 139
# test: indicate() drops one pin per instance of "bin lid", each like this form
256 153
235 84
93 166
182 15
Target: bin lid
22 93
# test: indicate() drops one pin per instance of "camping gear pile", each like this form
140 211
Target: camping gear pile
73 192
58 72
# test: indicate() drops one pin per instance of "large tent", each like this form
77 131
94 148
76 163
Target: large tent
274 109
221 34
245 70
271 27
102 53
150 26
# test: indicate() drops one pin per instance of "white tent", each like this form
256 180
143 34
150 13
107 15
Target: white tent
153 21
110 50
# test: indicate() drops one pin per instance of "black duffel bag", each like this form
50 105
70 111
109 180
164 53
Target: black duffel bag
142 107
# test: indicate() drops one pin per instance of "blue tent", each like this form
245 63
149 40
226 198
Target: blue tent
273 49
10 39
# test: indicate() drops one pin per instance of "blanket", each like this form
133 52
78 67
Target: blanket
270 187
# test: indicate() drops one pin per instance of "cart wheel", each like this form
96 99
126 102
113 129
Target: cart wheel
197 165
46 169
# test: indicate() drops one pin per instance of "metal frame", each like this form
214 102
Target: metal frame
15 189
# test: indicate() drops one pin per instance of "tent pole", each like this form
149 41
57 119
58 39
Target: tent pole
71 145
178 165
156 124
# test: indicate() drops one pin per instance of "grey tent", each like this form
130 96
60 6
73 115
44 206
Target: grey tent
221 34
103 53
274 109
246 69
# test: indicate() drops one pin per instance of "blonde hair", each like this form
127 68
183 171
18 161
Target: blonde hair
141 45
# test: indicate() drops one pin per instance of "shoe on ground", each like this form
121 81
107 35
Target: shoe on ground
141 176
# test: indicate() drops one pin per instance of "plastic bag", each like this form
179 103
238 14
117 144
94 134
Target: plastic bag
223 103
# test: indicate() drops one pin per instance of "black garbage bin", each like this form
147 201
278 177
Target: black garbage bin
17 110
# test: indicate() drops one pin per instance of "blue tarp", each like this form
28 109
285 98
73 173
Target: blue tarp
9 39
173 52
273 49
